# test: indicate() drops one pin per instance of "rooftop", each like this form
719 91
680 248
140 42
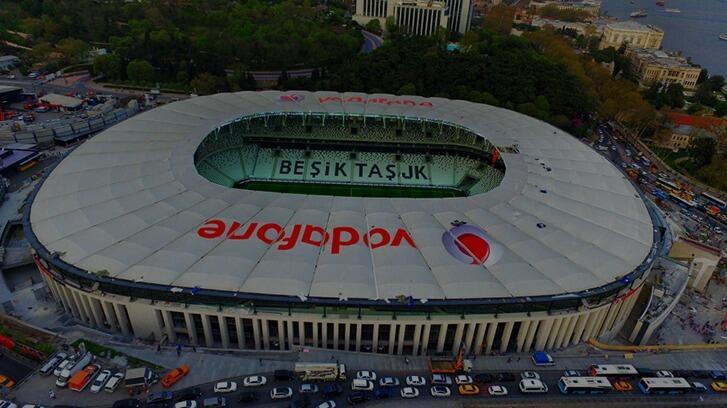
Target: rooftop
634 26
662 58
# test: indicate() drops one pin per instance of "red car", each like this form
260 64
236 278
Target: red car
175 375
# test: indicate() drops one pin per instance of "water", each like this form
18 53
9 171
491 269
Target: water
695 31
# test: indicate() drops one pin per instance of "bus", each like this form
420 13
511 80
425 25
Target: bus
584 385
667 185
712 199
613 370
668 385
682 202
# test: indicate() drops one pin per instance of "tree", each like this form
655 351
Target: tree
73 50
140 71
674 95
499 19
702 150
720 109
108 65
204 84
408 89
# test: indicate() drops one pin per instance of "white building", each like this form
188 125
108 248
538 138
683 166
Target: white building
417 16
632 34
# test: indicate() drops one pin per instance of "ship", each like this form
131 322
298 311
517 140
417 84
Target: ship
638 14
660 3
723 36
672 10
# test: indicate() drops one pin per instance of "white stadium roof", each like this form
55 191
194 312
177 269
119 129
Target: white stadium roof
130 202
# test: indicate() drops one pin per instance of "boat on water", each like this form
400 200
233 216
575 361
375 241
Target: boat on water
672 10
723 36
660 3
638 13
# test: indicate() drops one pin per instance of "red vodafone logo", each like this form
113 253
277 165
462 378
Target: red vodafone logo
335 239
471 245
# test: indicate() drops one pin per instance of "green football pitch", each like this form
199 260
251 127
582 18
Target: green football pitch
345 190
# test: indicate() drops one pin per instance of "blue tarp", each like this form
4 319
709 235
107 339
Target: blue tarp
542 358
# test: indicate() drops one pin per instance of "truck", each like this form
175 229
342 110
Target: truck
321 371
445 364
139 379
68 372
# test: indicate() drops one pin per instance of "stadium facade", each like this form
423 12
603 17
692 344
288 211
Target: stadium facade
392 224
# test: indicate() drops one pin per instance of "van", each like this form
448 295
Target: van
68 361
362 385
533 386
114 382
214 402
52 364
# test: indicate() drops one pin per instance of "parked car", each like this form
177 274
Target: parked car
532 386
224 387
415 381
664 374
190 394
529 375
699 387
497 390
113 383
6 382
440 391
254 381
307 388
100 381
468 389
571 373
214 402
186 404
327 404
331 390
175 375
483 378
441 379
357 397
159 398
361 385
389 381
463 379
366 375
409 392
281 393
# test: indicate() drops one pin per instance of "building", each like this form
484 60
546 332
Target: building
8 62
655 66
632 34
66 103
702 258
702 122
682 136
10 94
580 28
418 17
274 220
592 7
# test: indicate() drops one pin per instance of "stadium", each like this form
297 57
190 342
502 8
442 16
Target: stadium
390 224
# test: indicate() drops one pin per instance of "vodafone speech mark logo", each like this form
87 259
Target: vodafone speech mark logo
471 245
292 97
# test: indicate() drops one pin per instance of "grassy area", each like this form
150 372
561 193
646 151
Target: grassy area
110 353
22 338
670 157
346 190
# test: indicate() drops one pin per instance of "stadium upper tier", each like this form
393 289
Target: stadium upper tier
130 207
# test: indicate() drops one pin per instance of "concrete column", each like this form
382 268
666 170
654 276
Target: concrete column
59 295
315 334
480 337
375 338
506 336
347 335
95 319
191 330
524 327
590 323
400 342
83 313
121 318
554 333
301 332
224 331
289 325
335 335
359 327
425 337
207 328
569 331
324 335
281 334
458 334
169 325
612 313
469 337
543 333
491 329
562 331
601 322
96 311
442 337
266 333
580 328
531 334
75 311
108 310
417 338
392 338
240 333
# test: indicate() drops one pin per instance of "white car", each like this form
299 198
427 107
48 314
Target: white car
664 374
415 381
327 404
409 392
100 381
186 404
497 390
281 393
362 385
114 382
529 375
7 404
441 379
440 391
254 381
308 389
389 382
366 375
64 364
225 387
463 379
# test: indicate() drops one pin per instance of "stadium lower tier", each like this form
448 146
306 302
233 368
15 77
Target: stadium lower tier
406 333
368 171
